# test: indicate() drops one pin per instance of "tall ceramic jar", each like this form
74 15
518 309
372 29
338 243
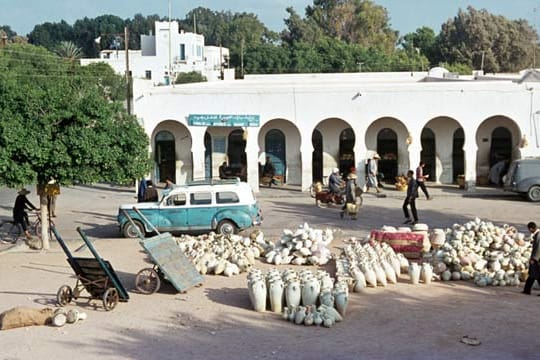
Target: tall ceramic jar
275 292
414 273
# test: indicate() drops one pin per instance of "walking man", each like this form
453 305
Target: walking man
534 266
421 179
412 194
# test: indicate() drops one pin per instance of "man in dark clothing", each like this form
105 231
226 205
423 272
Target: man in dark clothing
151 194
412 194
223 169
20 216
269 171
534 266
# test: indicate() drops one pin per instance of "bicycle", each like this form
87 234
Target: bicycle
10 232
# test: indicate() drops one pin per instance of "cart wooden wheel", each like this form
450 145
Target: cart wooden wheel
64 295
110 299
147 281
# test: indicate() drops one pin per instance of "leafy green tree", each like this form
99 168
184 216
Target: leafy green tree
266 59
355 21
57 122
49 35
299 29
189 77
424 41
108 27
477 38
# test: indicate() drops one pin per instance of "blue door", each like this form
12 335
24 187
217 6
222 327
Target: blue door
275 149
207 155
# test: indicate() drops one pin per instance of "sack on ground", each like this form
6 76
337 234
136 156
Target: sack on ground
24 316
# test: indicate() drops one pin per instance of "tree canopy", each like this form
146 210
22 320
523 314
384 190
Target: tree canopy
59 121
357 30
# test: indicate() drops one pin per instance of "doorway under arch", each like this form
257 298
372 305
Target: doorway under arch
501 145
317 155
236 153
346 151
165 156
387 148
458 155
428 154
275 148
207 155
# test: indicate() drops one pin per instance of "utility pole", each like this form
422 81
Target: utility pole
128 73
170 60
482 63
242 57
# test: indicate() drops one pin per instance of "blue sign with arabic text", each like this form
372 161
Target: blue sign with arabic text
223 120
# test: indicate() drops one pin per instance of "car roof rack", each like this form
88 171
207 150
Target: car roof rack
213 181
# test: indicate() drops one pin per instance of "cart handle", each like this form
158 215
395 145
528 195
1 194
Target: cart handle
146 220
130 219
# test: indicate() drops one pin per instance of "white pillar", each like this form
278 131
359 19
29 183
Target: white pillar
252 151
306 152
197 149
470 150
360 151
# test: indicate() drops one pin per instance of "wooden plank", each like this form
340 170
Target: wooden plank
166 254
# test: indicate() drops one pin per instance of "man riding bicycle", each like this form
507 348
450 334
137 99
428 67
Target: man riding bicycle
20 216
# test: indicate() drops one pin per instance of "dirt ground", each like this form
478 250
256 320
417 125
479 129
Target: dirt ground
215 321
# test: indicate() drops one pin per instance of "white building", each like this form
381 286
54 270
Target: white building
183 51
310 123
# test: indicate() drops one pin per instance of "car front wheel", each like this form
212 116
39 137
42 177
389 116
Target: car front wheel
131 231
226 227
534 193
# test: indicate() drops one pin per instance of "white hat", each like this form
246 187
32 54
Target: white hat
335 171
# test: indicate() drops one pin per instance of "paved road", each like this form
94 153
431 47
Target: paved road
94 209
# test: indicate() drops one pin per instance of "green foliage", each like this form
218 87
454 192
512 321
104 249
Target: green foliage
461 69
474 35
56 120
189 77
68 50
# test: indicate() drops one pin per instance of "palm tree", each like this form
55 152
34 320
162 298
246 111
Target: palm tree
69 51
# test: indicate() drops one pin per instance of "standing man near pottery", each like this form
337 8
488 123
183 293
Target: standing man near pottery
412 194
534 266
421 179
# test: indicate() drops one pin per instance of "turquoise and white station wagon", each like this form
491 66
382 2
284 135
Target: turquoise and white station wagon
223 206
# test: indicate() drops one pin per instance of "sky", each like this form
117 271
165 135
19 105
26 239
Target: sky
405 15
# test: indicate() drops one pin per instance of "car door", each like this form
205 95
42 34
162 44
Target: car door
173 213
201 211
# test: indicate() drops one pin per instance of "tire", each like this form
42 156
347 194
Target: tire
131 232
147 281
64 295
226 227
534 193
9 231
110 299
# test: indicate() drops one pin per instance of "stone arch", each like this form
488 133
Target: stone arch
441 150
174 158
497 138
288 160
388 137
331 130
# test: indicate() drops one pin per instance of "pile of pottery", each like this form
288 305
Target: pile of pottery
301 297
483 252
305 246
375 264
224 254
